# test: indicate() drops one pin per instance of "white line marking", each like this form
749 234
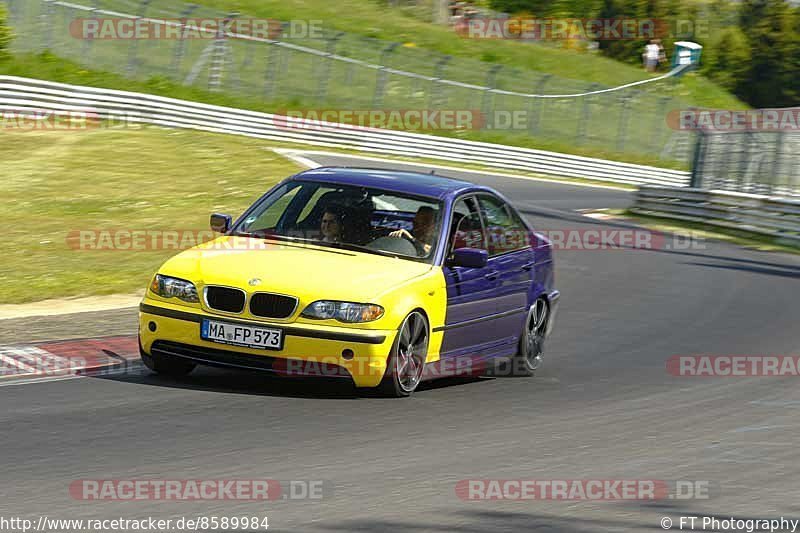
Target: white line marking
131 367
754 428
597 216
293 155
30 381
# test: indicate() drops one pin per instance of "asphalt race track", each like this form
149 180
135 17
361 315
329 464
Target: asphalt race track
603 407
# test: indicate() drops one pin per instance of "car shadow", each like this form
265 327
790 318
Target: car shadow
233 381
622 516
753 269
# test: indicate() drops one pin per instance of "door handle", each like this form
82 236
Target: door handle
528 266
491 276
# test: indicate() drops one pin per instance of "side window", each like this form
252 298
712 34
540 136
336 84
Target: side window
505 230
466 230
271 216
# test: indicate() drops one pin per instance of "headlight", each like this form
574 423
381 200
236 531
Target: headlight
343 311
168 287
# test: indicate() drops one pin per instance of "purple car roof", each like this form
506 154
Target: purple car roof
399 181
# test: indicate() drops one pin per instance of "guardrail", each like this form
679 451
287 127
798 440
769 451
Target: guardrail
765 215
17 94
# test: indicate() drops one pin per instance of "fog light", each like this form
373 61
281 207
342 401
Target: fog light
152 326
347 354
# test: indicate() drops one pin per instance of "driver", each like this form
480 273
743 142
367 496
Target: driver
423 233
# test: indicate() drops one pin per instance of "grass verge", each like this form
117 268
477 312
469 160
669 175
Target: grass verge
53 183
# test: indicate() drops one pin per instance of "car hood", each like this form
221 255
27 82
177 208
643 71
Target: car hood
308 272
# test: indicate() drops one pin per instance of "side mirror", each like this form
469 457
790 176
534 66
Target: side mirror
221 223
469 258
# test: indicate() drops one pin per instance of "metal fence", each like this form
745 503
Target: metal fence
345 71
758 162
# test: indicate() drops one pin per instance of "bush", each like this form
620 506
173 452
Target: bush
537 7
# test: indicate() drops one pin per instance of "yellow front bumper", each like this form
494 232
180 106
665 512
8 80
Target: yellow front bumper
308 349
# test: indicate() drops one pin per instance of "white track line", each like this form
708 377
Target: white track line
38 365
306 162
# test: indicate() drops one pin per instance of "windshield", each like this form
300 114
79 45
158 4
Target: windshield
329 214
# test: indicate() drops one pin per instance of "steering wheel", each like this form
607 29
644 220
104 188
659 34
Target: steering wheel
394 245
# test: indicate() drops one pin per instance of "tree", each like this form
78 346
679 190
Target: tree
727 59
773 75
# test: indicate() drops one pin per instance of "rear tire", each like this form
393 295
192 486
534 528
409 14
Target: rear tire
406 363
166 366
531 342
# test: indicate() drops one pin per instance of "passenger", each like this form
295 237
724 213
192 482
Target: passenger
331 226
423 233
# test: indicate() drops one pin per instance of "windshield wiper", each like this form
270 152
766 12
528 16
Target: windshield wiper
275 236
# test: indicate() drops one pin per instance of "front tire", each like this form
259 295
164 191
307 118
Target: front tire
407 361
531 342
165 366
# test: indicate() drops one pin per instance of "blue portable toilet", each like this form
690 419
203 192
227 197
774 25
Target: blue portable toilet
686 53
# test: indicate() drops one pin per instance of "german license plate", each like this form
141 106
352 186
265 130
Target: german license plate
241 335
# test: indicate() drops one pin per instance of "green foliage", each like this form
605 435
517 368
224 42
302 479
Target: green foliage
772 77
727 59
534 7
5 32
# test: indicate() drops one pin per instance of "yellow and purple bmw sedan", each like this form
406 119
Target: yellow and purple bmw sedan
372 275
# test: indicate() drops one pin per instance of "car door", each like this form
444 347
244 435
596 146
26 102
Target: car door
471 292
512 261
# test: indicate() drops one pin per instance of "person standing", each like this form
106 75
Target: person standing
651 54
